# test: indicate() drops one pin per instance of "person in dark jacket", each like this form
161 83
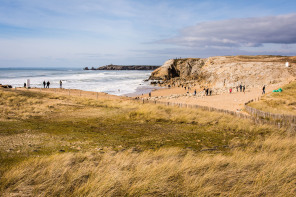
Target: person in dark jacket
263 90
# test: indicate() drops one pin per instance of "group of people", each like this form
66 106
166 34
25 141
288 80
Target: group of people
46 84
240 88
208 92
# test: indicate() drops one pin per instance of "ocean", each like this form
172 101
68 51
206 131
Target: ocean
128 82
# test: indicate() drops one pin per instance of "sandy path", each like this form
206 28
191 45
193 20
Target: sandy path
233 102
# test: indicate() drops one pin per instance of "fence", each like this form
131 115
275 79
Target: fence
257 116
283 119
205 108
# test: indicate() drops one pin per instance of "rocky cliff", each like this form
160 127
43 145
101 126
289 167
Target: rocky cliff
227 71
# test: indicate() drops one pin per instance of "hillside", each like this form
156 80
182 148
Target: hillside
279 102
227 71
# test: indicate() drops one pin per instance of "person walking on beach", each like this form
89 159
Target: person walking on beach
263 90
230 90
48 83
44 83
240 87
244 88
207 91
61 84
25 85
195 92
149 94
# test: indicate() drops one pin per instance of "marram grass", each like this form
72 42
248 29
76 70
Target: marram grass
53 145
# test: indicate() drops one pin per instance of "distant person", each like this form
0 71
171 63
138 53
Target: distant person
149 94
244 88
240 87
210 92
263 90
195 92
237 88
44 83
25 85
230 90
207 91
61 84
48 83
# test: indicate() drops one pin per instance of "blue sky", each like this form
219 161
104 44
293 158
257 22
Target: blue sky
78 33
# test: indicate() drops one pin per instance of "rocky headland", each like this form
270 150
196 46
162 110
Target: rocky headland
122 67
222 72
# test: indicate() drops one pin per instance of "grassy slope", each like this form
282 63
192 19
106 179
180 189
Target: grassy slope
53 145
279 102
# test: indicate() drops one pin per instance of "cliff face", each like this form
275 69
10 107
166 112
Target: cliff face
228 71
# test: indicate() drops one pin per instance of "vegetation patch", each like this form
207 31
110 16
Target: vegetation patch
279 102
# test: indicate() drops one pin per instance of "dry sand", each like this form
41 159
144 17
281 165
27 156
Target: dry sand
233 102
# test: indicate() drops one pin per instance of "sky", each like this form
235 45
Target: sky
80 33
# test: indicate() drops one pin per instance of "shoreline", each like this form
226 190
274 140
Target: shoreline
233 102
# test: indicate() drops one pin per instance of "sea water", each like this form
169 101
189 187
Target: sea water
119 82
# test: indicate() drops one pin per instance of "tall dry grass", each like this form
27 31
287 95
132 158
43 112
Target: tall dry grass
267 168
69 146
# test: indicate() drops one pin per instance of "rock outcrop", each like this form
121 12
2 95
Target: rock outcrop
227 71
5 86
119 67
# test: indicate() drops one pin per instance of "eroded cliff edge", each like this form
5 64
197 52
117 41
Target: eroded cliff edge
227 71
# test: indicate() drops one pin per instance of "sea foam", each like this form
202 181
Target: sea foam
112 82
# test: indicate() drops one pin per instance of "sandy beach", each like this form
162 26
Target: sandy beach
233 102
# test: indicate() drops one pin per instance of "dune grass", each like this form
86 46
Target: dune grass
53 145
279 102
264 169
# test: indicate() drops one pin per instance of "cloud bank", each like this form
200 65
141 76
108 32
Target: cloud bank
245 32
